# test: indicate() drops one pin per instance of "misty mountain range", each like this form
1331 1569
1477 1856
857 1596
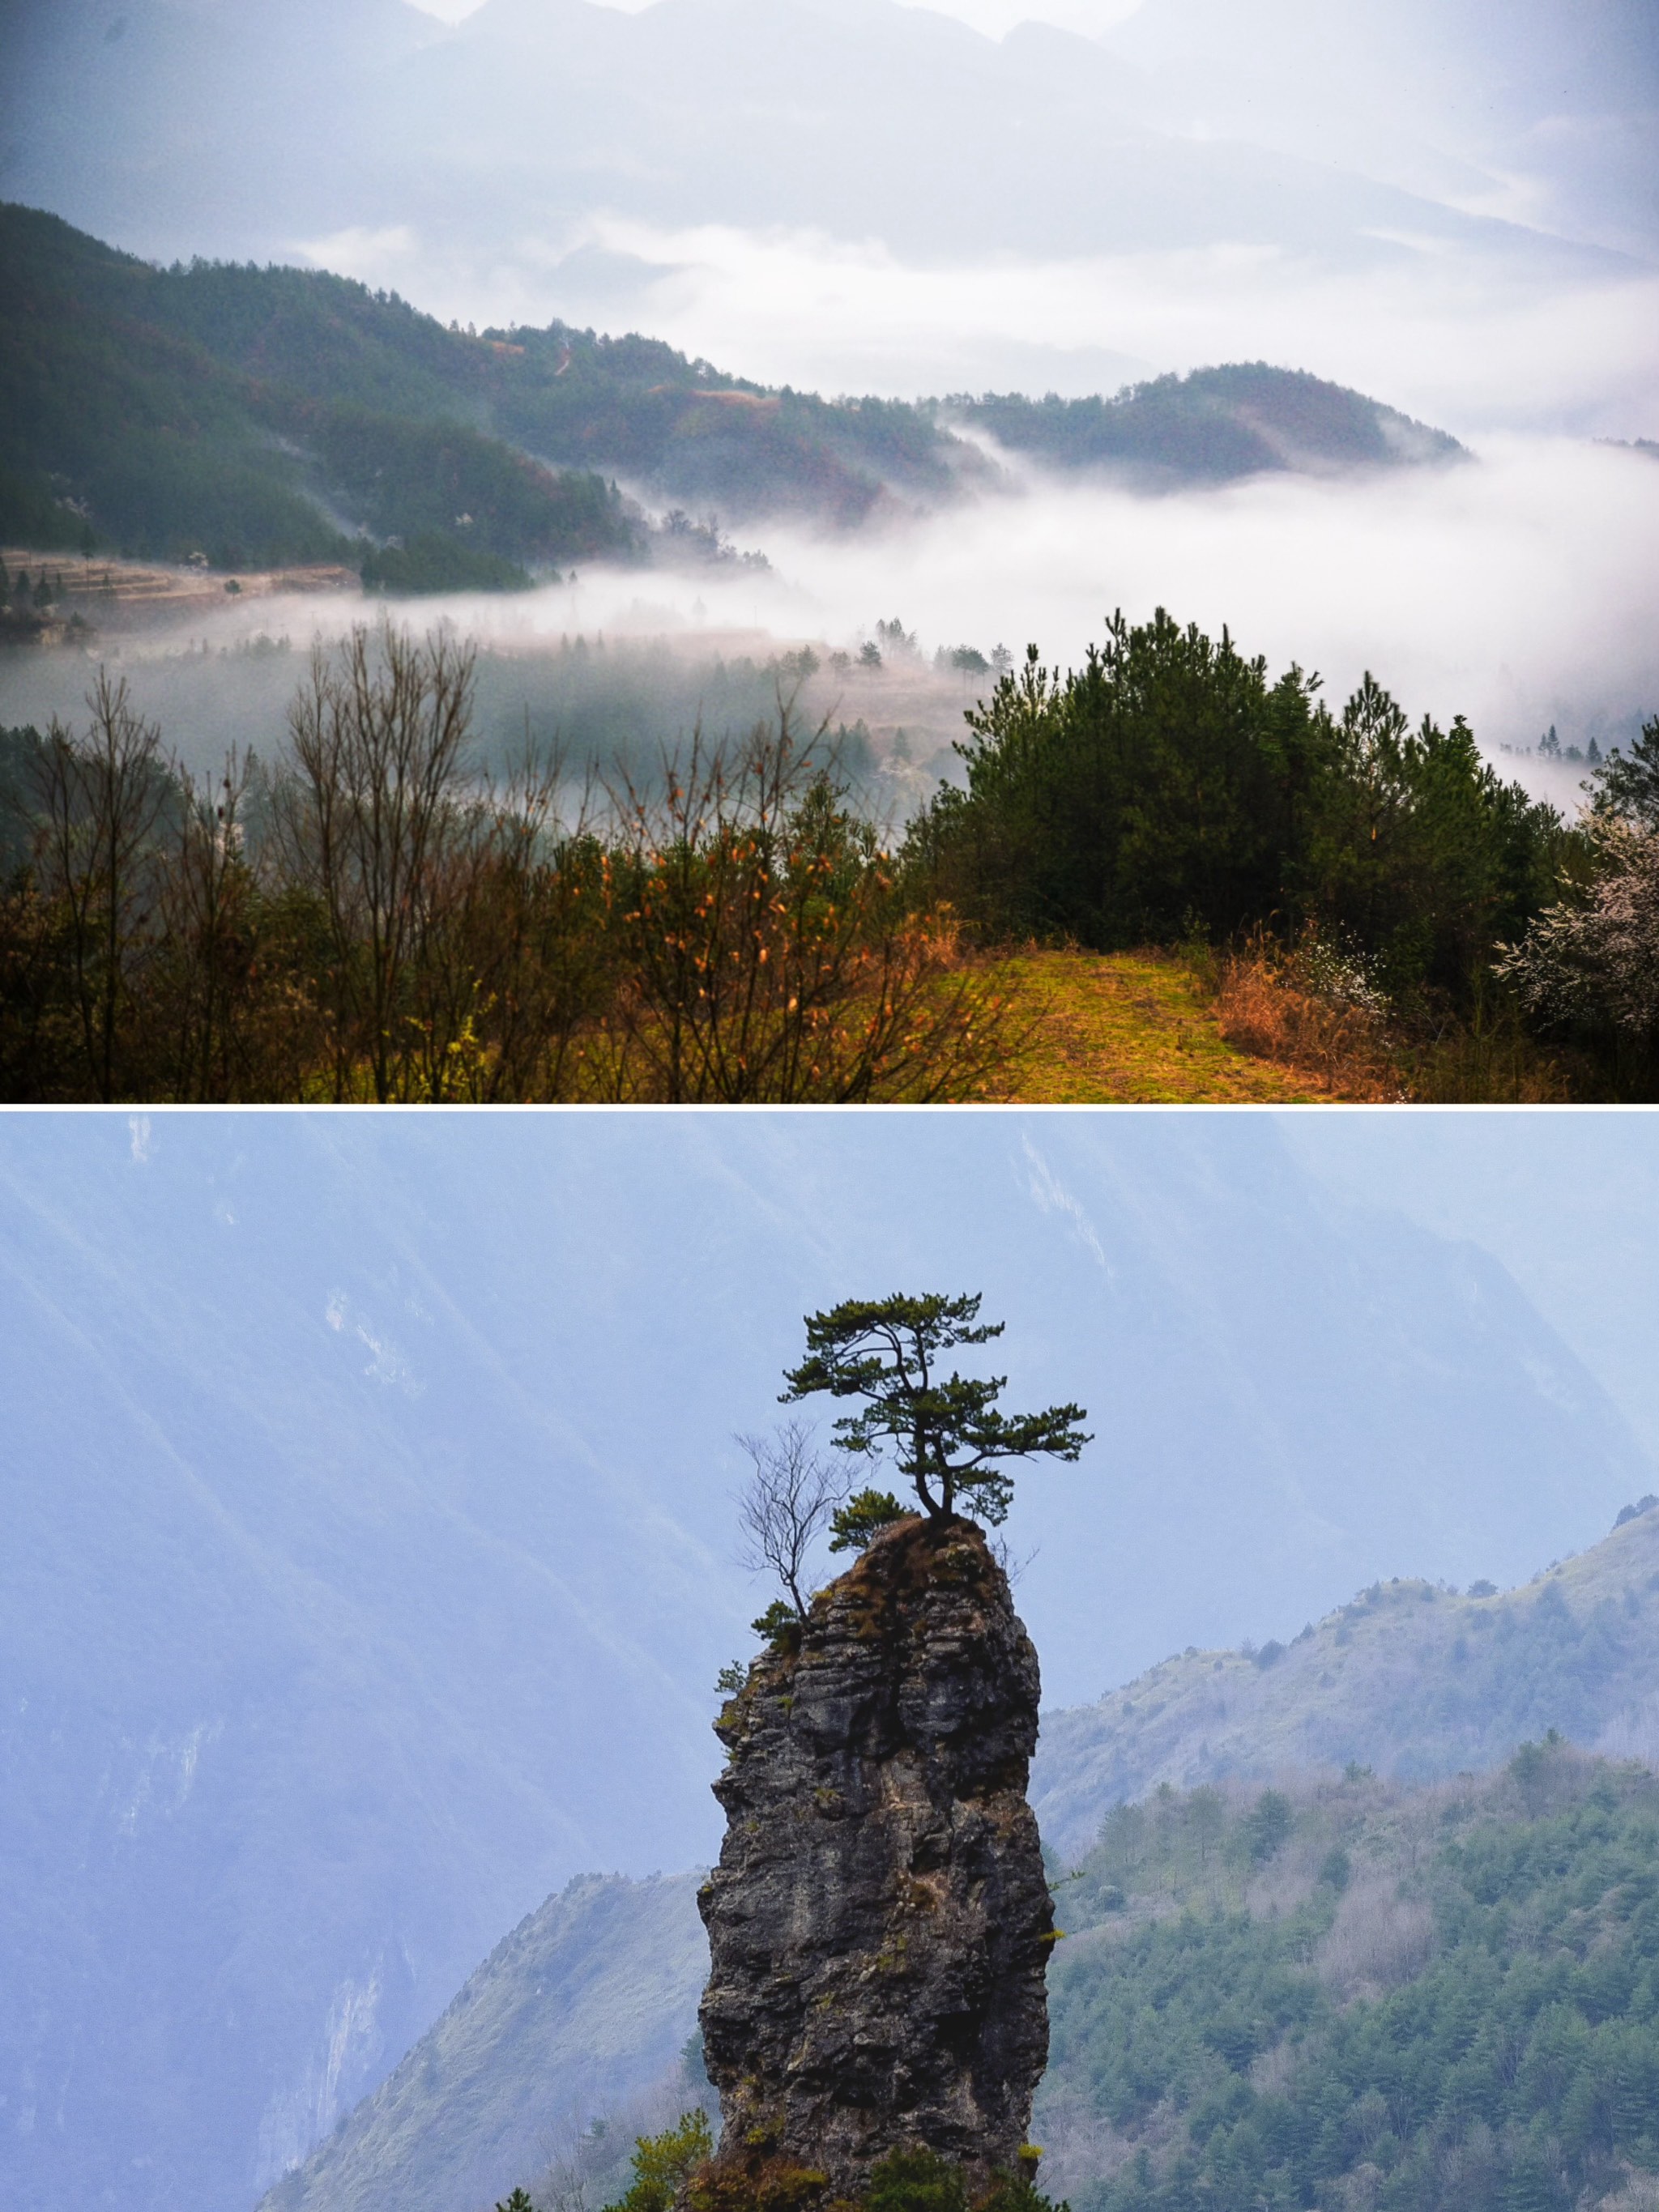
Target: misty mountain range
1413 1678
582 2010
367 1567
265 415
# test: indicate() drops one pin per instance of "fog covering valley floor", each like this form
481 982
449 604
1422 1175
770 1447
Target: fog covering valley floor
285 417
1246 1846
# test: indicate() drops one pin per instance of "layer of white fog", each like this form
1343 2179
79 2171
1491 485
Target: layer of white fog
1516 588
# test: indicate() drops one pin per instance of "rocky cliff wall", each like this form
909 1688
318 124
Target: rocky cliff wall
879 1921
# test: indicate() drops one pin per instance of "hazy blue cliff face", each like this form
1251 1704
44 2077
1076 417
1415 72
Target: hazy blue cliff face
367 1508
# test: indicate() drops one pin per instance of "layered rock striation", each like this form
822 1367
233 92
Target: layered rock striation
879 1921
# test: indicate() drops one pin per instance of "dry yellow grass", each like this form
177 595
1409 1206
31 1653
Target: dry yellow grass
1343 1048
1130 1027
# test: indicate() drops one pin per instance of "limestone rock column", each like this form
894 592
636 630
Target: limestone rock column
879 1921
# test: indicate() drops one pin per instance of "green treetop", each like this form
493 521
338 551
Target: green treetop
944 1432
1627 783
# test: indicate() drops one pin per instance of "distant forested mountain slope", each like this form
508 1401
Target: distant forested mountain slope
260 417
272 415
1410 1678
1347 1994
1214 425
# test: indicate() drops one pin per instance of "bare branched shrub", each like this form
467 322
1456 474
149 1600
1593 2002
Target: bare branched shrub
1638 2192
1082 2148
768 953
370 919
586 2150
1377 1940
234 1017
786 1505
1272 2070
517 969
101 797
366 818
1309 1008
205 896
1633 1733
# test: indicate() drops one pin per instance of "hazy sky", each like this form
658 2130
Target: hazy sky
1451 202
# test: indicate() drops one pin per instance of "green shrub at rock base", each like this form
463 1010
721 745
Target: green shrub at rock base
662 2163
676 2167
916 2181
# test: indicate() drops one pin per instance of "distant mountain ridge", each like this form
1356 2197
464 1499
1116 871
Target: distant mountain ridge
1214 425
264 416
495 142
1416 1680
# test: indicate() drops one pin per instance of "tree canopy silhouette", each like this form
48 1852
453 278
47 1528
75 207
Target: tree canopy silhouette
944 1431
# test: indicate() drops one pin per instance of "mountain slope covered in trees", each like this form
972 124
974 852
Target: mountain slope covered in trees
280 414
1212 426
259 418
1338 1990
1343 1993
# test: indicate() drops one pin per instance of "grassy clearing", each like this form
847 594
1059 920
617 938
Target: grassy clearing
1130 1027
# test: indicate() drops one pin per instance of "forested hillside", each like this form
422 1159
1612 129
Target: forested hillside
1344 1994
1414 1679
279 415
1338 1990
1216 424
261 416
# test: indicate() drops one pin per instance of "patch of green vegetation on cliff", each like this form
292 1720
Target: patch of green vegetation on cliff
676 2167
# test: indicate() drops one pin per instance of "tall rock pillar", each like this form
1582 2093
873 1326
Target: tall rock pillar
879 1921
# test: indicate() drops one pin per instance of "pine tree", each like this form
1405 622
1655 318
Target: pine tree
944 1432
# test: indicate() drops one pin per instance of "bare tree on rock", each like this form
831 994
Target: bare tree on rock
787 1504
